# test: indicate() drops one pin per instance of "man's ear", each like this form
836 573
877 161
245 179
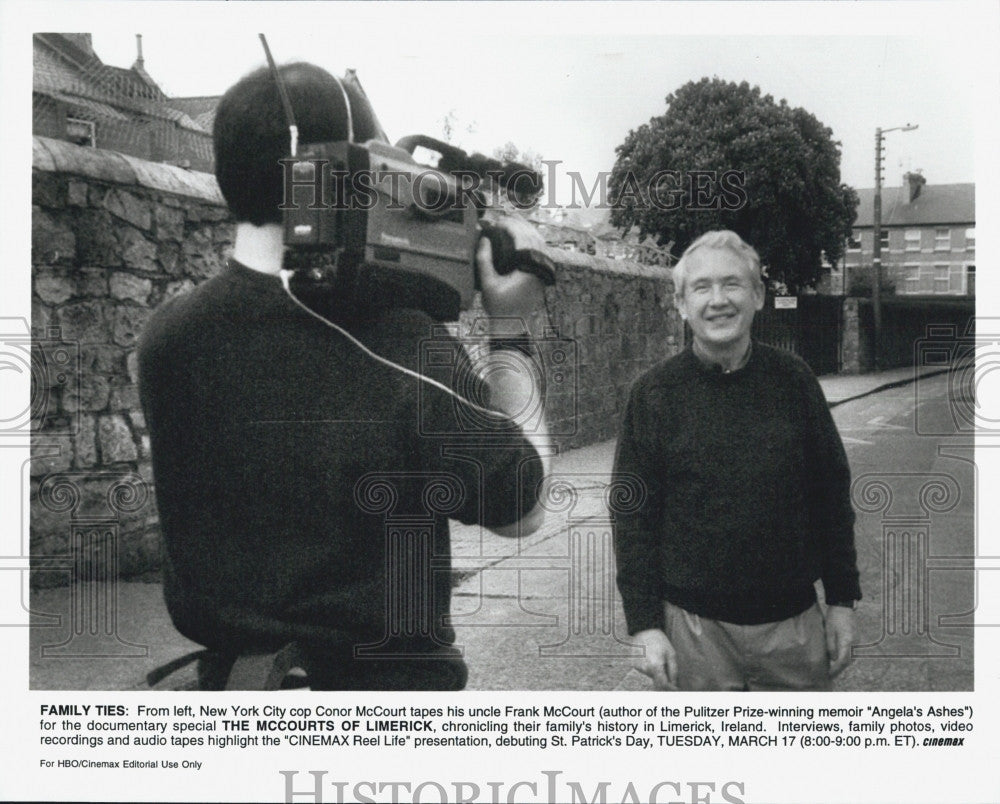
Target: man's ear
680 307
761 295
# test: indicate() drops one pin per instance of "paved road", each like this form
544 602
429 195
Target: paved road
543 613
914 492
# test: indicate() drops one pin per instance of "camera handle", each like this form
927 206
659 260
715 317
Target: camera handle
448 152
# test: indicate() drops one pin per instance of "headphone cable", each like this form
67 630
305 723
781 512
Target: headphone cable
286 276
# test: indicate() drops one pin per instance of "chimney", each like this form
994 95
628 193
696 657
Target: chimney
140 69
914 181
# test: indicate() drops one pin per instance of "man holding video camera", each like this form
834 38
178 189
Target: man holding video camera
280 446
748 500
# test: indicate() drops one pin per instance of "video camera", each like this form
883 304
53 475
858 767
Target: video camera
369 220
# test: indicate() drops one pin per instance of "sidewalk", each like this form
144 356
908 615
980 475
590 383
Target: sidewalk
840 388
536 613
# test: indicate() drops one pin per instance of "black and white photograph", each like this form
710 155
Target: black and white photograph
472 401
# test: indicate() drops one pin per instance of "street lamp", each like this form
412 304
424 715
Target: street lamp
877 244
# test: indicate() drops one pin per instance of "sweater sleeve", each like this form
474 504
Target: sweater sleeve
832 514
636 539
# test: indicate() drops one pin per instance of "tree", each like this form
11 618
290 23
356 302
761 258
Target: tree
861 281
510 153
725 156
452 125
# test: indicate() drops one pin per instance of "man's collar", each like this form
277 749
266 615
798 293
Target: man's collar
711 365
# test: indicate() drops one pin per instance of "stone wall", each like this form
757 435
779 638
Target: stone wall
852 336
114 236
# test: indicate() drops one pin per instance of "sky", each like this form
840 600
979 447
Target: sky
574 97
569 80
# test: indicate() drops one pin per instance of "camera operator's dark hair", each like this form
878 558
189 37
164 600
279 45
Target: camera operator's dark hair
251 133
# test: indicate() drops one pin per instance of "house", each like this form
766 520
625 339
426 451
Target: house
76 97
928 237
200 109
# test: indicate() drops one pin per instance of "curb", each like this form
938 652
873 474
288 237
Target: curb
888 385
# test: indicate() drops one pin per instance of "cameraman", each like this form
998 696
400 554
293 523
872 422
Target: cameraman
263 422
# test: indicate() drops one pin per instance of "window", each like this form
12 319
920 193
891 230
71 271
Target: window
927 276
956 284
912 239
970 239
941 283
942 239
854 241
81 132
884 238
911 278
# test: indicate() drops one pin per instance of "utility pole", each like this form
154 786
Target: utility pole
877 243
877 252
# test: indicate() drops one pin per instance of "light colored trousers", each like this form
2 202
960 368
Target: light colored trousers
713 655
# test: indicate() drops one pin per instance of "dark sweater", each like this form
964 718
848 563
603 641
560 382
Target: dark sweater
265 426
748 493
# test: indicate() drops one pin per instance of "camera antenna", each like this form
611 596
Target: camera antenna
293 130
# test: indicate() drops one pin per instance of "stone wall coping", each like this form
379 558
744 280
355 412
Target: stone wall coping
41 159
606 265
59 156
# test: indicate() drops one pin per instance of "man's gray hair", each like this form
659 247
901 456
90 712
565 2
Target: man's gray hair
721 240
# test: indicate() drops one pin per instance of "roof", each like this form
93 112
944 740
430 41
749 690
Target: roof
605 231
201 110
936 204
83 106
65 71
60 59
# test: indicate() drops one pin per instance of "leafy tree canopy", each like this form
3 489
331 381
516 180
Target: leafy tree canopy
724 156
509 152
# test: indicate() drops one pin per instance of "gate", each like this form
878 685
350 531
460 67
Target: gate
812 330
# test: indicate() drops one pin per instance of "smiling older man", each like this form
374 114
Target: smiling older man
748 500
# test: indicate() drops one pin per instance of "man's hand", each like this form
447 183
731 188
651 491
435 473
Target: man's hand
839 637
514 295
660 660
518 299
